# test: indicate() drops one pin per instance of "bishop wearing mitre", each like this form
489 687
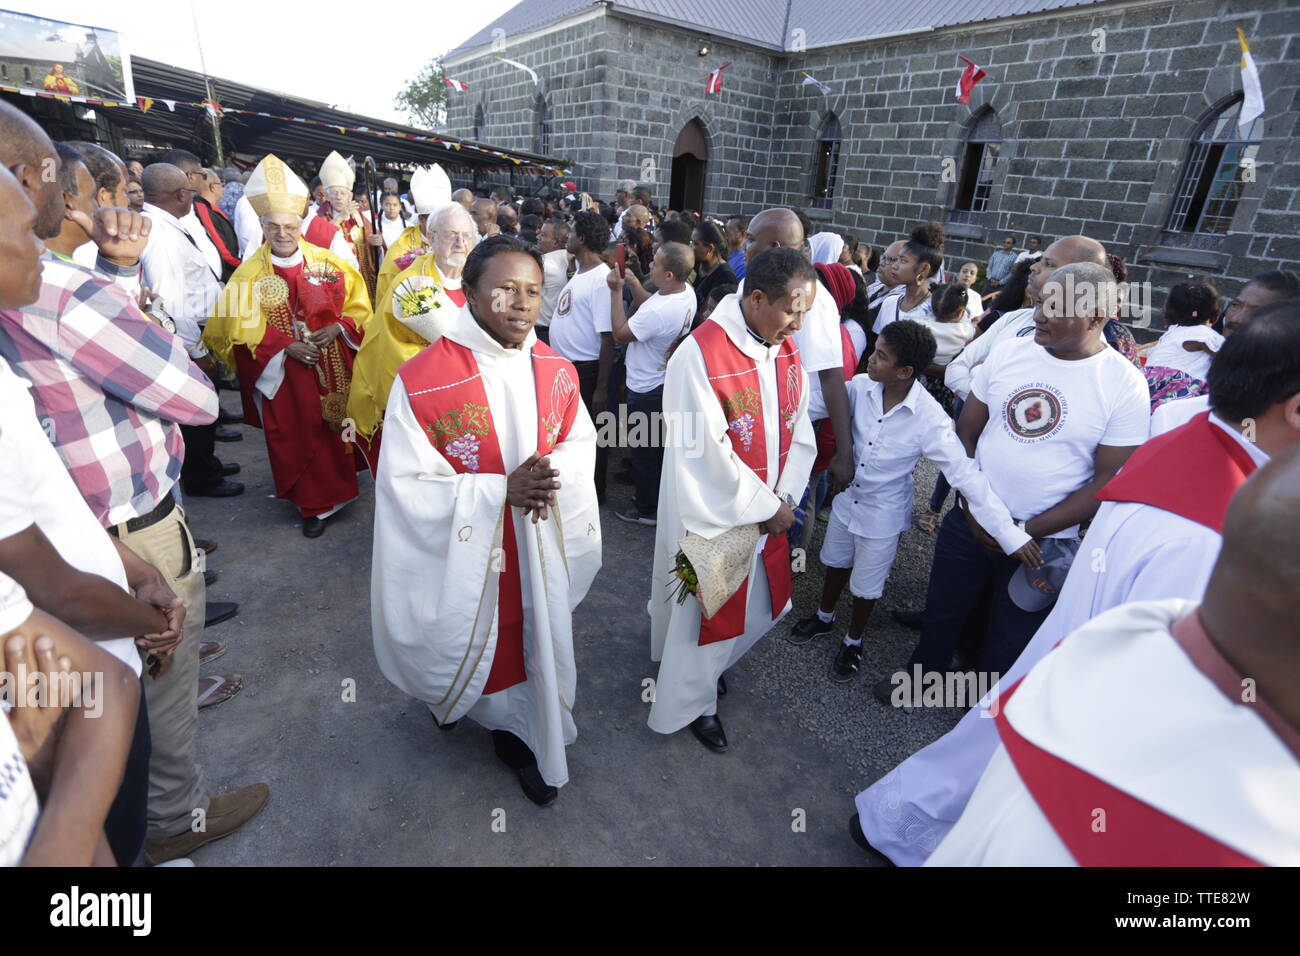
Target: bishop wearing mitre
419 304
487 530
739 451
341 210
290 321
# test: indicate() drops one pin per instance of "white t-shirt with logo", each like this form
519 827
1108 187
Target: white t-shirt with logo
35 488
1169 351
659 322
1046 418
581 314
18 805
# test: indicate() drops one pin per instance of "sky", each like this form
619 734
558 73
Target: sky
346 60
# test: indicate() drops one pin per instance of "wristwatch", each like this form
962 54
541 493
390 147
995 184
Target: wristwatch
789 500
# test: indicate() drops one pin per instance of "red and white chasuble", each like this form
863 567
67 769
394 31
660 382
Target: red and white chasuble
471 601
738 439
1155 536
1134 744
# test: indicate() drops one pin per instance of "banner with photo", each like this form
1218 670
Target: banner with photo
68 59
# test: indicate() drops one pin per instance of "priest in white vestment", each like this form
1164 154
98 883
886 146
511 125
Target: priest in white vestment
487 533
740 450
1155 536
1160 733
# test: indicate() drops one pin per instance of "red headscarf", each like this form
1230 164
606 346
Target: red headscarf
840 281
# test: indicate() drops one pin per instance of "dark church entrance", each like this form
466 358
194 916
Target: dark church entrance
690 157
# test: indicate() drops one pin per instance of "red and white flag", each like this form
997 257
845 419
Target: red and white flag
714 85
969 77
456 84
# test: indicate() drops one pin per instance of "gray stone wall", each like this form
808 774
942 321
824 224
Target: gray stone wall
1094 141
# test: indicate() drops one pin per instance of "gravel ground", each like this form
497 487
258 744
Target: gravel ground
373 782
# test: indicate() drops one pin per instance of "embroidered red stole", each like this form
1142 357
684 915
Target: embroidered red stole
458 422
1137 834
733 376
1192 471
319 232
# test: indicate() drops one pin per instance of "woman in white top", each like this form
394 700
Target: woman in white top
966 277
913 269
393 222
1177 365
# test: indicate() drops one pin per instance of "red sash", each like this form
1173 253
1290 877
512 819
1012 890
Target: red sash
204 212
1136 834
458 422
825 433
1192 471
319 232
734 379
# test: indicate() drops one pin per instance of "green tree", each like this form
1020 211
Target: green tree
424 99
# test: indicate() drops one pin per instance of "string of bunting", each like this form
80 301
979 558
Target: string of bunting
213 108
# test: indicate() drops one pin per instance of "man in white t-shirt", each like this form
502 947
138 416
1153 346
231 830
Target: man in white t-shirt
1050 419
957 376
551 243
580 329
659 322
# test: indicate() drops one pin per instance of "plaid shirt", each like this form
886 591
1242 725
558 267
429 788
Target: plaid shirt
110 387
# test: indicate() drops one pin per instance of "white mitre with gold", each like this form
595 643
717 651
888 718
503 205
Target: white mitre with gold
274 187
430 189
337 171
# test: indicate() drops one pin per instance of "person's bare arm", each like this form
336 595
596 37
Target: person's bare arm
600 401
85 602
76 751
836 398
1081 504
617 314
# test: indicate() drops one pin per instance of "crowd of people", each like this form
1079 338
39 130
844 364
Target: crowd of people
1113 565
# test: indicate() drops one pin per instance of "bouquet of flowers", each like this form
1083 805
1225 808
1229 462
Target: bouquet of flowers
418 295
712 569
686 583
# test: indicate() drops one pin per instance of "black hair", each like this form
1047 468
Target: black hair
772 270
643 195
912 344
315 181
530 221
1259 364
532 206
678 259
720 292
873 260
69 159
804 223
178 156
1012 294
1192 303
478 259
104 166
926 244
1281 281
672 230
711 236
947 300
592 230
560 229
743 220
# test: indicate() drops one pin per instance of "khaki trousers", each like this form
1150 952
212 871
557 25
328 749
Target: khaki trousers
176 787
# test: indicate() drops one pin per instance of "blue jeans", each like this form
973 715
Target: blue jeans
941 486
648 462
964 576
815 494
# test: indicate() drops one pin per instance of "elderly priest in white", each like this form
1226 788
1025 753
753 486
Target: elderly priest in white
487 533
740 449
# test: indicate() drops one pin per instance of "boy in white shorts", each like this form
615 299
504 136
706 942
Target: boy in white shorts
895 422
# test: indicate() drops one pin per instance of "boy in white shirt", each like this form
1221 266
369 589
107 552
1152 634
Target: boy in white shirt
895 422
659 322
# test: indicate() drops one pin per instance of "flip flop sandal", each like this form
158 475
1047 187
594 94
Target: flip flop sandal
209 651
218 689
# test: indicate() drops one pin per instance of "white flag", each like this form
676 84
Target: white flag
1252 103
810 80
519 66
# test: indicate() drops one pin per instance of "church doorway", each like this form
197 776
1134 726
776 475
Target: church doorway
690 157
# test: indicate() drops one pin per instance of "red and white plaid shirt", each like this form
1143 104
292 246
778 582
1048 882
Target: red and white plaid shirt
109 385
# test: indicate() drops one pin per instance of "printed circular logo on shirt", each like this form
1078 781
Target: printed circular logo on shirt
566 299
1034 412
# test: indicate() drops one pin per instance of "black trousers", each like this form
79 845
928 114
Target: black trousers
127 818
200 470
587 375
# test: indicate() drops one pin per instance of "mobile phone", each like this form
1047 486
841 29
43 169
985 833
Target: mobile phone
620 256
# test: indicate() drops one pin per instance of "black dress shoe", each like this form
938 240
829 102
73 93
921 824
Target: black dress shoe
722 686
222 489
535 788
209 578
810 627
227 434
708 731
206 545
218 611
912 619
860 838
229 418
229 468
313 527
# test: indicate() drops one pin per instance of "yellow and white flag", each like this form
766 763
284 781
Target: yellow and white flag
1252 103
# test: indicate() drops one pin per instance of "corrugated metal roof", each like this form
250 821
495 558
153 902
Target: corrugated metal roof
771 23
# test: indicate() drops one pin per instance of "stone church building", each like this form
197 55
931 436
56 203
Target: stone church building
1116 118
